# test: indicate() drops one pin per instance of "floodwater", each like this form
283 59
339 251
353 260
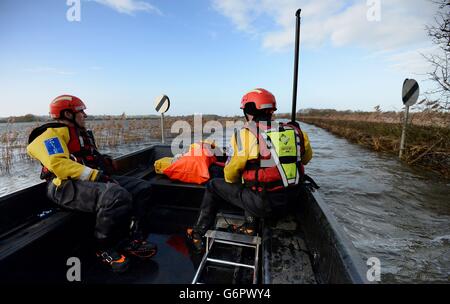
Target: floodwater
389 211
394 213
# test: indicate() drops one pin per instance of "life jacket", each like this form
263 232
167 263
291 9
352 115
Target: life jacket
278 165
81 145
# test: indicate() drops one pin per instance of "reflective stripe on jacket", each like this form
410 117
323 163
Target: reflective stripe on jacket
246 155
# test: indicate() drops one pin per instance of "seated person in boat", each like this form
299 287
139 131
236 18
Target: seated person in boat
263 170
80 178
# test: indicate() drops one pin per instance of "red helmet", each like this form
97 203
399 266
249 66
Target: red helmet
262 99
65 102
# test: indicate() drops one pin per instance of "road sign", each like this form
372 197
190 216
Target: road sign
162 104
410 92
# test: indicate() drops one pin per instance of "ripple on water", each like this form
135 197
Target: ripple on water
387 209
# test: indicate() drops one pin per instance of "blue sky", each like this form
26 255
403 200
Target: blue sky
205 54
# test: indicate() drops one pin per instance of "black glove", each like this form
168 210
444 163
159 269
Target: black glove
106 164
104 178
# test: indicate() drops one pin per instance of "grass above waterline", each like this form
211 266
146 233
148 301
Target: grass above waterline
426 146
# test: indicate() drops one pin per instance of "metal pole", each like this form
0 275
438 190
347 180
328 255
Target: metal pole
402 141
297 44
162 127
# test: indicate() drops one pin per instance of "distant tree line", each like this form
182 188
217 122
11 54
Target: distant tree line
43 118
24 118
323 112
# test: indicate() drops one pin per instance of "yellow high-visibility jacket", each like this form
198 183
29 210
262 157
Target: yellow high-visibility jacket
248 149
50 148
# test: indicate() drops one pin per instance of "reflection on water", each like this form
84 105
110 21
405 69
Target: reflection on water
389 211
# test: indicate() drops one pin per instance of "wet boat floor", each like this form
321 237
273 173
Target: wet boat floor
223 274
289 261
171 265
175 262
285 256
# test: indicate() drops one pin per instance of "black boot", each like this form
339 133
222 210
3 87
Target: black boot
140 248
195 234
115 261
107 254
195 238
249 227
138 245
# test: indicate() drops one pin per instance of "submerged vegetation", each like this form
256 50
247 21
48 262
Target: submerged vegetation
427 141
109 131
427 137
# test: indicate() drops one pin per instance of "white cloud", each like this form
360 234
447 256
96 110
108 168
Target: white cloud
129 6
412 62
340 22
241 12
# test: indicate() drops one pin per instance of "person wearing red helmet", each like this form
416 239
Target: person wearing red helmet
263 172
80 178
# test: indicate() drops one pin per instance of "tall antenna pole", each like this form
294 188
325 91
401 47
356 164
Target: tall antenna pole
297 49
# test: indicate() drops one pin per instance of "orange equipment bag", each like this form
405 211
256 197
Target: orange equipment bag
192 167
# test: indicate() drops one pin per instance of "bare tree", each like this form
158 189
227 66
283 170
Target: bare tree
439 32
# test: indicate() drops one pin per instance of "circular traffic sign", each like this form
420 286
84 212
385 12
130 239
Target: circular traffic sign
162 104
410 92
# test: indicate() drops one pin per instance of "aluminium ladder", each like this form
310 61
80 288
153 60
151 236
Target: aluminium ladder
234 239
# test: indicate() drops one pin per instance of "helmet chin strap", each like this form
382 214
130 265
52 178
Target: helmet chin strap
72 120
246 117
258 116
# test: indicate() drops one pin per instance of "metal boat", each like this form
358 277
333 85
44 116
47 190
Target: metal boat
37 238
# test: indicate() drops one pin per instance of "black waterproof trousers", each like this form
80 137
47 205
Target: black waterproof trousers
255 204
113 204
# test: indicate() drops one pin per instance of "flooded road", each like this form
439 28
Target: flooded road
389 211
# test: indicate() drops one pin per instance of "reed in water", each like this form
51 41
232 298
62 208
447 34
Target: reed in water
427 140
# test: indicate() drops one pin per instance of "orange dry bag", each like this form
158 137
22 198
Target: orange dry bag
192 167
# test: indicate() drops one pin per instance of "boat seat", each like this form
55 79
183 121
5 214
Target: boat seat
160 180
178 198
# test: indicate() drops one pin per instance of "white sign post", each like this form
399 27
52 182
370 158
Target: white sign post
162 105
410 93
